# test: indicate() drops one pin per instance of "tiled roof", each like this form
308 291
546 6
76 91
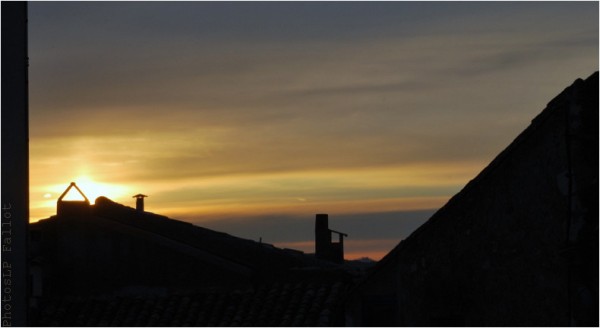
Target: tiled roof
279 304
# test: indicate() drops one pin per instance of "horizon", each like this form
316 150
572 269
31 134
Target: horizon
250 118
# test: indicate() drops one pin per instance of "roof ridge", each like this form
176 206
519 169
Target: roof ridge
131 217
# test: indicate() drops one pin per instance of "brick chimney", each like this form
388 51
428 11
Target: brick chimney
325 249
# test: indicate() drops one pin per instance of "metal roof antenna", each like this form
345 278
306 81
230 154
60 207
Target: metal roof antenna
72 208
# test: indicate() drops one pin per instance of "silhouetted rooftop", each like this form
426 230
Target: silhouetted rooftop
276 287
263 258
518 245
591 87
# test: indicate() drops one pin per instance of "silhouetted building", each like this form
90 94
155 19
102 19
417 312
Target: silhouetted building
139 202
114 265
325 247
518 246
68 208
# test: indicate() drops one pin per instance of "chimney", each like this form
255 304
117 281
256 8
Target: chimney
139 202
325 249
322 235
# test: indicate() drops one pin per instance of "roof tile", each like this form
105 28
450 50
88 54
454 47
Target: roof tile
279 304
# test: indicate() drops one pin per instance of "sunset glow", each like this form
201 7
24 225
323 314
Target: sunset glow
44 203
374 113
93 189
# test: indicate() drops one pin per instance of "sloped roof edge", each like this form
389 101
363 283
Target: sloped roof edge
539 120
109 209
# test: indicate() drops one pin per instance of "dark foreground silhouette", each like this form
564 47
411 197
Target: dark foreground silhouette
517 246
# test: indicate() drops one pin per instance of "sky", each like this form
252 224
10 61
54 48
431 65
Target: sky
251 117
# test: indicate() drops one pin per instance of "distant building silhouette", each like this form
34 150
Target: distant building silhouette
325 248
139 202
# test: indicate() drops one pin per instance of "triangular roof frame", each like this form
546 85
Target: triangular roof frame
69 188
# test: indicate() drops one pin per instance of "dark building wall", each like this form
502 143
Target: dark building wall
582 252
519 244
14 163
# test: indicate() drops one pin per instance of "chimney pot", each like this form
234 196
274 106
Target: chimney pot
139 202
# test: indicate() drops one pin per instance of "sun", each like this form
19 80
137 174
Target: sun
43 205
93 190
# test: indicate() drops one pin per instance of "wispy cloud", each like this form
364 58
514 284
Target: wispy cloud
242 109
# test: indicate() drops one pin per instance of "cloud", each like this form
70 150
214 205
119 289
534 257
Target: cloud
159 63
221 109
